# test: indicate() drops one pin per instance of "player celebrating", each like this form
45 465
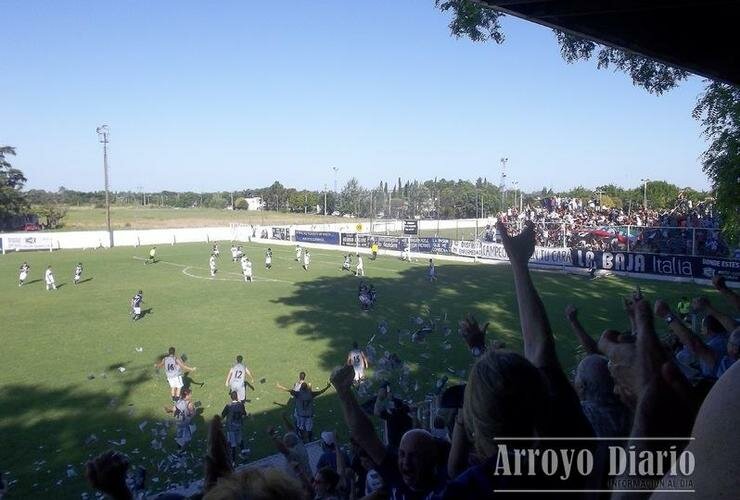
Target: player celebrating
23 273
239 253
235 378
297 253
247 269
233 253
347 264
431 272
152 256
360 269
49 279
173 368
183 411
268 258
306 260
304 408
234 415
215 251
212 265
78 273
136 302
358 360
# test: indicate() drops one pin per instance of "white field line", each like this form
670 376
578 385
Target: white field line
185 269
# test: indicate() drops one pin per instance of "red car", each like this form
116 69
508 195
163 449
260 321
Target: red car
31 226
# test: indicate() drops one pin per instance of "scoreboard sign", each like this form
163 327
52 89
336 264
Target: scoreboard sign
411 227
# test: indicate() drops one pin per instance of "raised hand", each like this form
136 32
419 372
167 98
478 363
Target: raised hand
472 333
107 473
621 351
662 309
519 248
217 462
342 378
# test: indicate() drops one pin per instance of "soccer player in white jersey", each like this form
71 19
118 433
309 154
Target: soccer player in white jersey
235 378
247 269
23 273
306 260
212 265
297 253
233 253
49 279
358 360
239 253
431 271
215 251
78 273
406 255
268 259
347 263
360 269
173 369
136 302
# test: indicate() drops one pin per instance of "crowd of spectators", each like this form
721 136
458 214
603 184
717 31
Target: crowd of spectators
630 383
687 229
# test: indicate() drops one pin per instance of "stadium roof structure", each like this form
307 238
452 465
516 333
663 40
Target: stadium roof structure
699 36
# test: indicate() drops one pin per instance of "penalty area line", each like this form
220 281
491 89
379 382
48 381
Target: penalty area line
185 269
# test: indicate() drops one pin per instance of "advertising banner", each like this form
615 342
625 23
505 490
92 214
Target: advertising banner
27 243
546 256
663 265
327 237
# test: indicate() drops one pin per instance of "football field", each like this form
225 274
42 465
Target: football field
78 375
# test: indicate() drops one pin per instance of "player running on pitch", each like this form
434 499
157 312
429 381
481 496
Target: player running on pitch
173 368
431 272
360 269
247 269
297 253
358 360
152 256
268 259
212 265
136 302
347 264
306 260
23 273
215 251
234 415
233 253
78 273
235 378
49 279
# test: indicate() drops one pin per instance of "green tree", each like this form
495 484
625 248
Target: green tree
52 214
717 108
12 200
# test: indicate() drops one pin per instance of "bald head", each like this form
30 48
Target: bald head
593 380
417 459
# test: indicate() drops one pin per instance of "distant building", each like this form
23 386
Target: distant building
255 203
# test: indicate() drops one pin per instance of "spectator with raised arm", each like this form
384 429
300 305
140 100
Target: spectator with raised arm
709 353
732 297
415 470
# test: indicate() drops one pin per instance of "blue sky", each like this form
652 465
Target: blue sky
228 95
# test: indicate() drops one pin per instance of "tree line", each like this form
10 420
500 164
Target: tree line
432 198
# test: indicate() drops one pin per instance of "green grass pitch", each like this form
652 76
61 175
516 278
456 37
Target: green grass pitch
286 321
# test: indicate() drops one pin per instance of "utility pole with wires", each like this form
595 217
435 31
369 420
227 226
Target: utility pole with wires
502 182
103 132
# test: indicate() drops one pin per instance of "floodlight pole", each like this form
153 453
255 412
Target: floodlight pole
324 200
103 131
644 192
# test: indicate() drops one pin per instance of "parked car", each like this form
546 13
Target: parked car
31 226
